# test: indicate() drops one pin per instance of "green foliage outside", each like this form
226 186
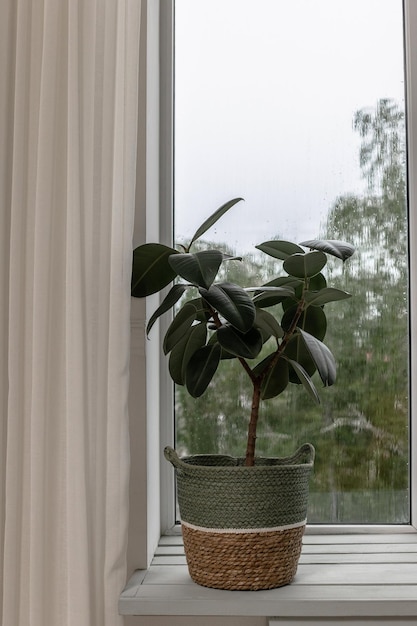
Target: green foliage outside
360 430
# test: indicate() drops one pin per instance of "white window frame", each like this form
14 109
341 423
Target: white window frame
151 395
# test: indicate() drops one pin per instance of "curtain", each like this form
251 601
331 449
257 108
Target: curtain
68 115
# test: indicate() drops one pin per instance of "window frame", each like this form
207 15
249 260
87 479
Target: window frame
152 480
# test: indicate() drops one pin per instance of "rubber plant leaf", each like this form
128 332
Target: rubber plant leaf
305 379
322 357
203 312
208 223
279 249
259 368
200 268
194 338
284 281
329 294
315 283
151 270
296 350
276 380
233 303
201 369
305 265
179 325
170 299
247 345
268 324
269 296
340 249
313 320
224 353
231 257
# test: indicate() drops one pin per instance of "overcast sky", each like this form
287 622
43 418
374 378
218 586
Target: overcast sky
265 97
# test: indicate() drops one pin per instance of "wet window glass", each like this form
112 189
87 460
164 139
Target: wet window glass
298 107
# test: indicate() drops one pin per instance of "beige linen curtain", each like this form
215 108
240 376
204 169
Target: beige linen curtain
68 114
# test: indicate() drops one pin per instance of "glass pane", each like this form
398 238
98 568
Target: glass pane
298 107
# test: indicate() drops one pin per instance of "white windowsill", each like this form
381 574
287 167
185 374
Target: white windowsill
360 575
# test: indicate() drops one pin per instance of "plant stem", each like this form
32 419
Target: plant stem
257 384
256 398
257 380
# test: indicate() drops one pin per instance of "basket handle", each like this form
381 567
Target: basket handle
171 456
307 452
304 454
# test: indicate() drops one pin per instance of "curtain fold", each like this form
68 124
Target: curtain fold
68 116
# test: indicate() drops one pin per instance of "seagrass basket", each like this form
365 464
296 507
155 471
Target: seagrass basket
243 526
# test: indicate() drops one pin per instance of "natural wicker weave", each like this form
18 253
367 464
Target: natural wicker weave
243 526
245 561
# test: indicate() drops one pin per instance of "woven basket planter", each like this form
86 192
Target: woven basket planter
243 526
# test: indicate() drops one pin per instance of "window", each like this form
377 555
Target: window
152 508
300 108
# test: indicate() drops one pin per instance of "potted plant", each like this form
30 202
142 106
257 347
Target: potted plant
243 518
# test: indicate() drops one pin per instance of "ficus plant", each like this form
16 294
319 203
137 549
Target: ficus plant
223 320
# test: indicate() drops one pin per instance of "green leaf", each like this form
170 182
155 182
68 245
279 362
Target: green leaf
279 249
231 257
305 379
224 353
247 345
151 270
203 312
200 268
322 357
194 338
340 249
313 320
213 219
315 283
296 351
233 303
201 368
329 294
171 298
268 324
260 367
269 296
305 265
284 281
179 326
276 380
